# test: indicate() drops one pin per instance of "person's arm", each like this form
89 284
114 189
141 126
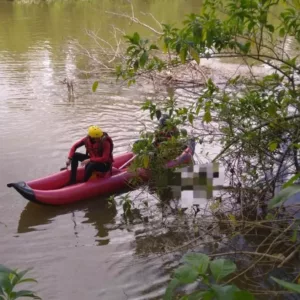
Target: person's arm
105 155
74 147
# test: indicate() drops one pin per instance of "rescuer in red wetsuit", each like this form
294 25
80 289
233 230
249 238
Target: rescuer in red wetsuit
98 157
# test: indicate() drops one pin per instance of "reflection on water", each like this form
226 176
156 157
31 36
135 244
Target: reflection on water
96 212
99 217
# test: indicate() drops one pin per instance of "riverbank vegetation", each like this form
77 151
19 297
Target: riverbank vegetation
10 280
253 117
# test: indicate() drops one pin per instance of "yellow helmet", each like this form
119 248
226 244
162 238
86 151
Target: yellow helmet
95 132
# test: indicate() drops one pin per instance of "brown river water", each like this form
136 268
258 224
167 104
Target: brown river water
79 251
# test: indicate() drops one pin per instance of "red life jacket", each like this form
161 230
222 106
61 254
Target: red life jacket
96 149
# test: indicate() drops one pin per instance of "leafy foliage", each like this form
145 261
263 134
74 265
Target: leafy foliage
220 268
196 268
257 117
254 119
140 58
10 279
284 195
289 286
127 206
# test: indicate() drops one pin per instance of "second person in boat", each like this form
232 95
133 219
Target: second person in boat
98 157
164 132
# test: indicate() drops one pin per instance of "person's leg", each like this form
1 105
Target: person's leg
92 166
77 157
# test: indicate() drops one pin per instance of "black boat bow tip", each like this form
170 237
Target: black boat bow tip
25 190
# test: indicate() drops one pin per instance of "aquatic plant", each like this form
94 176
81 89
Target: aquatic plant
10 280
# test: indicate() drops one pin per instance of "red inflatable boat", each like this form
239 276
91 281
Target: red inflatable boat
54 190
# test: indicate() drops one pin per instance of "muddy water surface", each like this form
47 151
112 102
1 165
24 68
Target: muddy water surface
79 251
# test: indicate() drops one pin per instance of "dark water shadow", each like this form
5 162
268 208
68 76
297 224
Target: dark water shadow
97 212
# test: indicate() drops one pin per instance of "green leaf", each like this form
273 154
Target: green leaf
207 117
4 275
183 53
292 62
195 55
291 181
27 280
135 38
25 293
4 280
273 146
95 85
205 295
5 283
272 109
22 273
289 286
220 268
224 292
4 269
208 295
143 59
18 278
247 47
158 114
270 27
197 260
282 32
251 25
232 219
186 274
146 161
170 289
197 31
136 65
153 47
294 237
244 47
283 195
191 118
151 115
243 295
130 82
231 292
234 80
178 47
165 48
269 216
183 132
130 48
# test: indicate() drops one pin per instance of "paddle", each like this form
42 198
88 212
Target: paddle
64 168
127 162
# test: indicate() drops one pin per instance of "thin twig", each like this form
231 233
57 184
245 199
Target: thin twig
247 253
288 258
